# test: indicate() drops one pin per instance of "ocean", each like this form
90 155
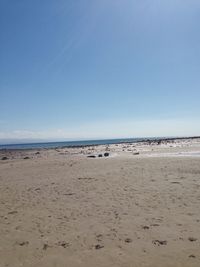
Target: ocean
72 143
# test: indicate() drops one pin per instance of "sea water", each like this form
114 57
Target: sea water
72 143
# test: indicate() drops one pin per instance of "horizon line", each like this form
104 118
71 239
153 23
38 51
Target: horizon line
41 141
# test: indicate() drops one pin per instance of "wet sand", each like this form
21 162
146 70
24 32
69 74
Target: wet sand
60 208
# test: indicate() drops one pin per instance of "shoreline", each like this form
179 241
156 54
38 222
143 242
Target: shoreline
162 147
153 140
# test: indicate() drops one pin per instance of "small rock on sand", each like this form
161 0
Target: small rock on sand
23 243
98 246
159 242
4 158
145 227
128 240
63 244
13 212
45 246
192 239
192 256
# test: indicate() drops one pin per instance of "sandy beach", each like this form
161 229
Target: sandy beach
140 206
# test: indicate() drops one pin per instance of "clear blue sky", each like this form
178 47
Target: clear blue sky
76 69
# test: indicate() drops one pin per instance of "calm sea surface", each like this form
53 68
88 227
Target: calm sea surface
71 143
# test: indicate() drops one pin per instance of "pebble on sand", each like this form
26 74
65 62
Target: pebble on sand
4 158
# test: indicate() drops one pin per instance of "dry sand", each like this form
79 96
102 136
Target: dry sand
60 208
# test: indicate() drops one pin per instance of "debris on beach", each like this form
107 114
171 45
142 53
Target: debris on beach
106 154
